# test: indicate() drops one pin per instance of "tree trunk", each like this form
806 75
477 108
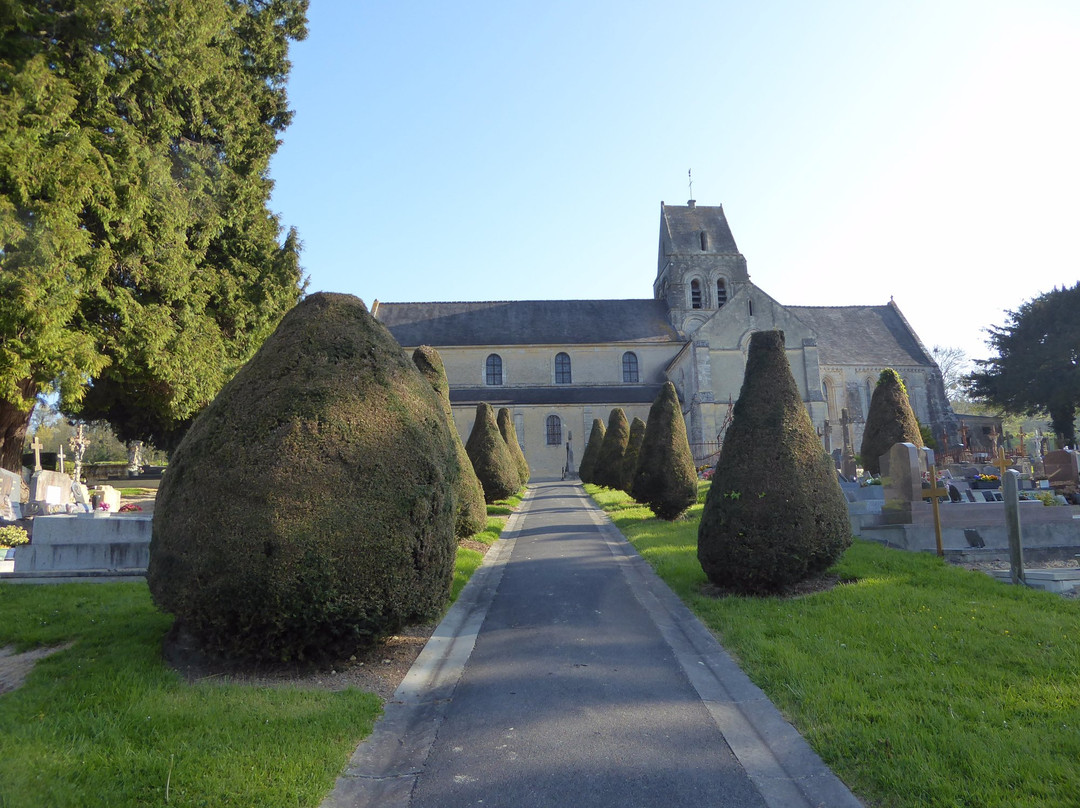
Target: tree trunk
14 421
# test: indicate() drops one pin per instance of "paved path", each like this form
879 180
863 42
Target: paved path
568 674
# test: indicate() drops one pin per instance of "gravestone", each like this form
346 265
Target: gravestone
50 492
104 495
10 496
901 478
1062 468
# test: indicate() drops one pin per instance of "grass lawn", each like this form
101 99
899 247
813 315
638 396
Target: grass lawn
106 723
919 683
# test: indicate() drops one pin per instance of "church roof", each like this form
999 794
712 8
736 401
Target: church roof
527 322
863 335
682 225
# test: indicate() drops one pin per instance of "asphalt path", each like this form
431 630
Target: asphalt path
568 674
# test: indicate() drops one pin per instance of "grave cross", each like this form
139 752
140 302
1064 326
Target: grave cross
1022 453
934 492
1002 464
60 458
37 446
994 437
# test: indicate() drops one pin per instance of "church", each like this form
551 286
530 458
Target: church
559 364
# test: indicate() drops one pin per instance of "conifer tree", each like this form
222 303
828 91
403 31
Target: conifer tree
140 264
490 456
630 457
609 461
471 515
889 421
364 541
586 470
509 433
775 513
666 478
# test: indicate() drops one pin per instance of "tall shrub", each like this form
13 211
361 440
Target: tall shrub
775 513
666 479
609 461
889 421
509 433
630 457
471 514
306 514
587 468
490 456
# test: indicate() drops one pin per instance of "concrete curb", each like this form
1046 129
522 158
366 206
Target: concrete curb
778 760
384 768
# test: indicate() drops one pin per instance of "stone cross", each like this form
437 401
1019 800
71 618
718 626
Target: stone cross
37 446
848 464
60 458
79 443
828 437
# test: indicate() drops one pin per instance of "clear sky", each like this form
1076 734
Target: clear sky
503 150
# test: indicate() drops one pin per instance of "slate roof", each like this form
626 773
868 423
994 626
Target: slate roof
527 322
863 335
608 395
682 225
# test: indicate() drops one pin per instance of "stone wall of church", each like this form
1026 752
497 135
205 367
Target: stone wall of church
534 365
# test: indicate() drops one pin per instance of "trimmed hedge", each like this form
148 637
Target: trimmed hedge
630 457
471 511
509 433
491 458
309 510
608 469
666 479
889 421
587 468
775 514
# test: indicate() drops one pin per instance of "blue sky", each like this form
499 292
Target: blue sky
928 151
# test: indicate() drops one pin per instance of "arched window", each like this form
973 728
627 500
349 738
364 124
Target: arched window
826 391
630 367
493 369
695 294
562 368
869 394
554 430
704 241
721 292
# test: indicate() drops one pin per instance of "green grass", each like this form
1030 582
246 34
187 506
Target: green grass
504 507
107 723
919 683
135 492
469 560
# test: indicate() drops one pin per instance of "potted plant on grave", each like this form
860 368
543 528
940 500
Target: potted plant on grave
986 481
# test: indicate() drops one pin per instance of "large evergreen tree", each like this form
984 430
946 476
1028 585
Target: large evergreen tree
490 456
775 513
140 265
666 478
471 513
1037 368
608 469
889 421
506 428
630 456
592 450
